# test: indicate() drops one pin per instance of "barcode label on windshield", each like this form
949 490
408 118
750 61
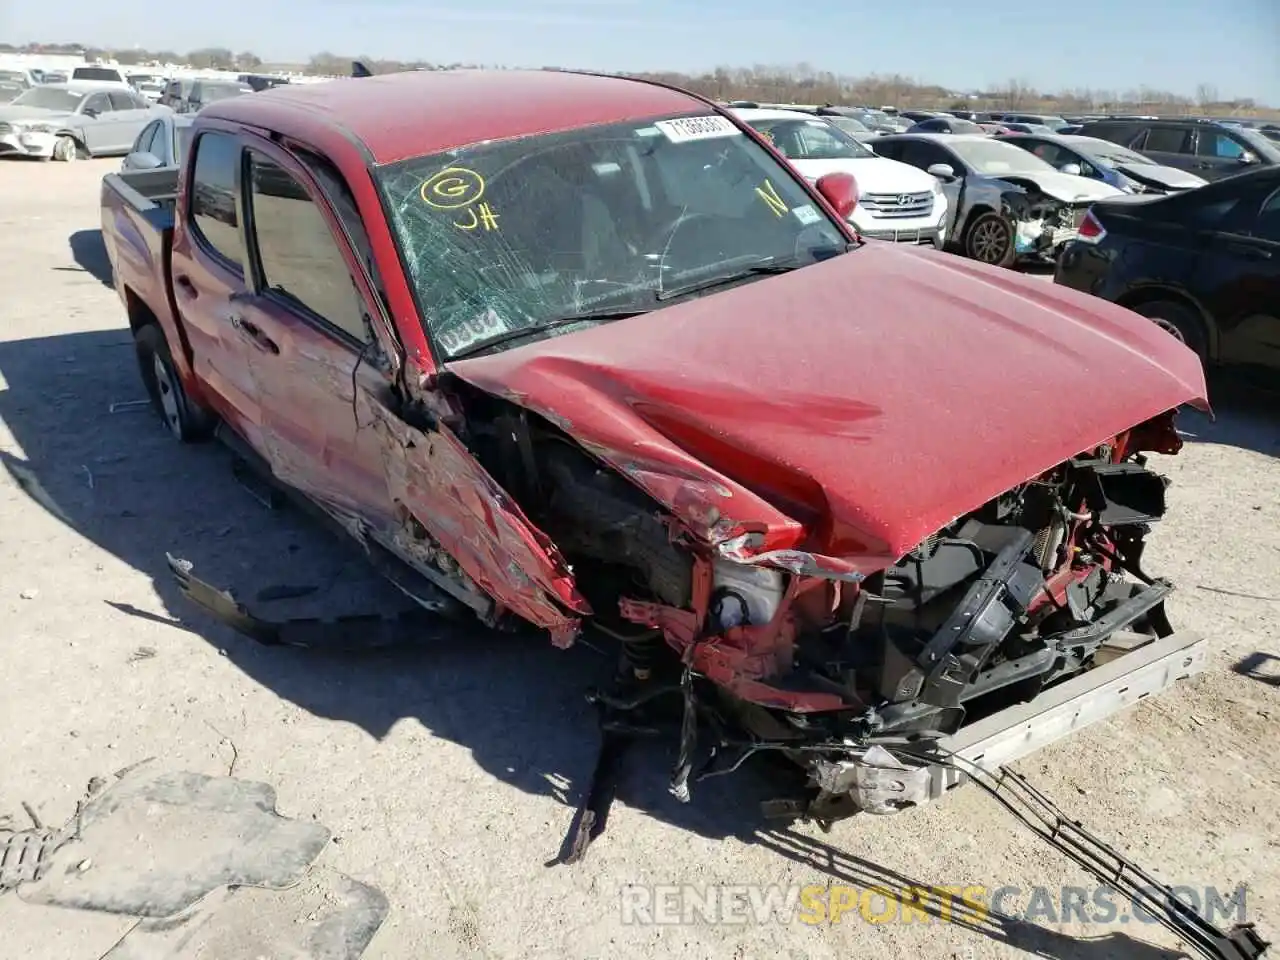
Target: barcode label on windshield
696 128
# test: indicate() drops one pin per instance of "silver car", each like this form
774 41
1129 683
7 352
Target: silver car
161 144
67 121
1109 162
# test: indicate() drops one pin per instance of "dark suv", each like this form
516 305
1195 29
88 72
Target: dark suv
1203 147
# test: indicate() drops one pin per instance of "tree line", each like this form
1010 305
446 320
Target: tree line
798 83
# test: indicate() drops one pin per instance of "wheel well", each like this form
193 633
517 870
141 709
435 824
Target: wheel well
80 147
974 214
139 313
1147 295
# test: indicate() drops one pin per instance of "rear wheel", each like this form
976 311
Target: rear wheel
989 239
1178 320
185 419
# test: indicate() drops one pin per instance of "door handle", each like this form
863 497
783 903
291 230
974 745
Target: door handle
253 333
185 285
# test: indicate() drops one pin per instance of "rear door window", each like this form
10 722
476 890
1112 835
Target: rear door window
1267 226
1050 153
146 142
215 219
1167 140
98 103
122 100
1216 144
922 154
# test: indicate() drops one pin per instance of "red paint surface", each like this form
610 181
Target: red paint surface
855 406
414 114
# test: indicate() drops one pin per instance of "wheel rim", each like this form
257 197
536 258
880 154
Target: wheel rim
170 400
989 241
1169 328
68 149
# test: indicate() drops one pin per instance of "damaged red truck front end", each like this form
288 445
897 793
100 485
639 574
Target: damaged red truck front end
866 522
623 369
584 353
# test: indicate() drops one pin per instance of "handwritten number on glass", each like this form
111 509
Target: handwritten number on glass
482 216
769 194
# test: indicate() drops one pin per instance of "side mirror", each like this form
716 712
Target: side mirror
142 160
90 111
1248 157
1070 168
943 171
841 191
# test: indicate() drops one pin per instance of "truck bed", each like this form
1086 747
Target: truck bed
146 191
137 230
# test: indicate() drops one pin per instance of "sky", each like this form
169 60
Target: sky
1175 45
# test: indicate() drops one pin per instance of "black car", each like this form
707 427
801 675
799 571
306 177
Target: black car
945 125
918 116
1205 148
1204 264
1052 121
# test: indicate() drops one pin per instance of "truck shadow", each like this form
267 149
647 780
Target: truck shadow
90 254
119 479
1260 666
900 899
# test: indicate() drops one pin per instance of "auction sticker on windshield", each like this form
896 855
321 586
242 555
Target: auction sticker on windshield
477 328
806 214
684 129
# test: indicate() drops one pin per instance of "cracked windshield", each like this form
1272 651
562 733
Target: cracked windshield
507 241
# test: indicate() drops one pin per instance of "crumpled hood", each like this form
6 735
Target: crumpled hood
1065 186
1161 176
853 407
12 114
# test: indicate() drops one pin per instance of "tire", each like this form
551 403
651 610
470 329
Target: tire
66 149
1180 321
185 419
989 239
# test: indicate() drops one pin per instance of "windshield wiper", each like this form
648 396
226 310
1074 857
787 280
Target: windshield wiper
509 336
722 279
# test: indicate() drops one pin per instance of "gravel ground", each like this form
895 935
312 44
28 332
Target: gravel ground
448 772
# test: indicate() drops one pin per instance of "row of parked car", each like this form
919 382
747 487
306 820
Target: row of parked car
1178 220
1003 195
99 111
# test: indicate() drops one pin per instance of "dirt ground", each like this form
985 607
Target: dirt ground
448 771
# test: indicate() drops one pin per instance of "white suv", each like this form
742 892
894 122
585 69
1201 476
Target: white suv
895 201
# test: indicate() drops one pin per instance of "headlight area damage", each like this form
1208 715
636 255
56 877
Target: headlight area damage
1041 222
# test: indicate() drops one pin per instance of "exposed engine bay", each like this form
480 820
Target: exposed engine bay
1015 596
1042 223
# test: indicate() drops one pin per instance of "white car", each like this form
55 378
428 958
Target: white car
65 121
98 74
895 201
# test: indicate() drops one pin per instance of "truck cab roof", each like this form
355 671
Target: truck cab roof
394 117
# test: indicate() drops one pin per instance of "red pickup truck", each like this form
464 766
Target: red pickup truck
584 351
